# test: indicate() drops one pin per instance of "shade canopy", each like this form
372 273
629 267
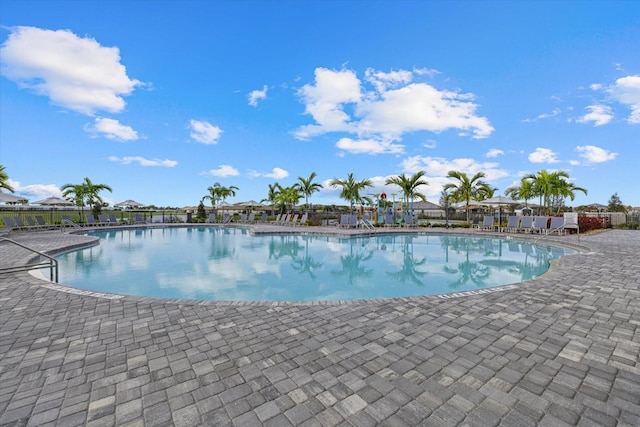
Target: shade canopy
10 198
129 204
53 201
250 204
499 201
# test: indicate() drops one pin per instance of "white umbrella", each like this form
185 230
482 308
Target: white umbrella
128 204
10 198
499 201
53 201
250 204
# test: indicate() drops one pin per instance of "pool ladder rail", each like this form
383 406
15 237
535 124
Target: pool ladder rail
50 262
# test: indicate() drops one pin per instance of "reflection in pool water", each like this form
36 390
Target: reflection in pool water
228 264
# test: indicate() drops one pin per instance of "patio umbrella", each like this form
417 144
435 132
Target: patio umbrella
499 202
53 201
250 204
129 204
10 198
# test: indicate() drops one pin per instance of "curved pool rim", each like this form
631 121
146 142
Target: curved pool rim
327 231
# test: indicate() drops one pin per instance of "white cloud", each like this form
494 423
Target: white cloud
369 146
542 116
440 167
394 106
256 95
204 132
324 101
37 191
382 81
598 114
430 144
543 155
276 173
626 90
127 160
222 170
593 154
494 152
112 129
73 72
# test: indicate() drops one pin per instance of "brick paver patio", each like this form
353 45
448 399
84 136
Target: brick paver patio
560 350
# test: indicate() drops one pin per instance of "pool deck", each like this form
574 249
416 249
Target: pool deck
560 350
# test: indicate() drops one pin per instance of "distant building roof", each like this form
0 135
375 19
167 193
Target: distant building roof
426 206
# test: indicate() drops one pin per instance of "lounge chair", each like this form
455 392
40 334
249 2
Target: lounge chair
344 221
19 224
571 221
475 223
91 220
303 219
226 218
488 223
67 221
557 225
513 222
252 218
31 224
263 217
138 219
42 223
294 220
526 224
388 221
540 224
103 220
113 220
243 218
408 221
8 222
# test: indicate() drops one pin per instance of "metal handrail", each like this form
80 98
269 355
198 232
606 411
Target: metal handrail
52 263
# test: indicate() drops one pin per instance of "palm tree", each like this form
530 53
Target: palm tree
74 193
4 180
552 188
86 193
523 191
92 195
409 186
272 194
564 189
288 197
214 194
218 192
468 189
351 190
308 187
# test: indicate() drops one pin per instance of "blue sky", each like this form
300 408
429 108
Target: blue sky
161 99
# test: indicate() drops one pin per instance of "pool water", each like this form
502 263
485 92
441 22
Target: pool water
229 264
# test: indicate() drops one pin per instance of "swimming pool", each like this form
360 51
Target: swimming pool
229 264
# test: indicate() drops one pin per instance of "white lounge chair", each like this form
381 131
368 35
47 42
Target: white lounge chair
303 219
